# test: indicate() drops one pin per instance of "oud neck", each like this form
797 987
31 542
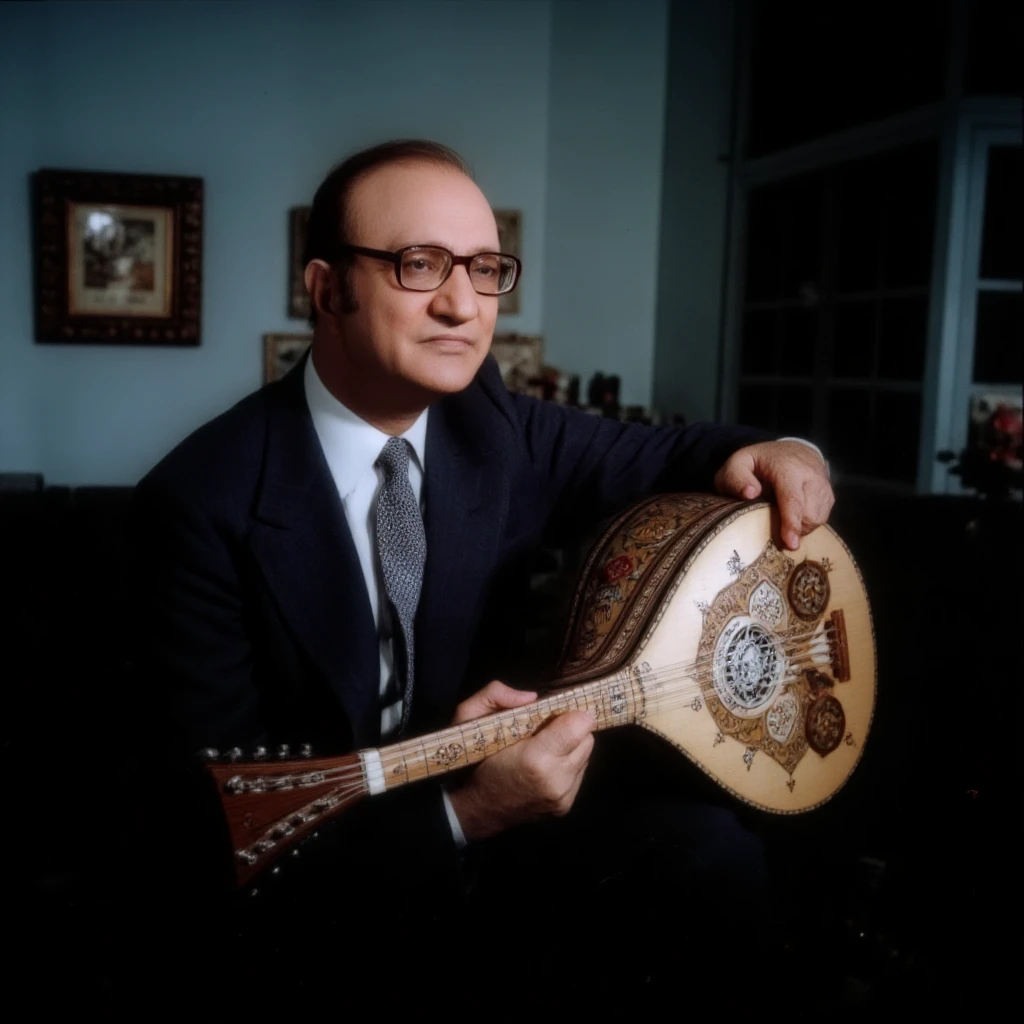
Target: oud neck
613 700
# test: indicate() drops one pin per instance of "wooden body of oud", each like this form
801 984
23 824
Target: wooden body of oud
756 663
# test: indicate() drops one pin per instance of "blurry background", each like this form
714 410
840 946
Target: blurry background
799 215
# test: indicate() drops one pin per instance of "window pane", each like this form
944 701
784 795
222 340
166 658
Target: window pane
903 333
849 430
853 352
858 244
795 411
1002 245
799 342
756 406
896 435
998 334
911 182
760 342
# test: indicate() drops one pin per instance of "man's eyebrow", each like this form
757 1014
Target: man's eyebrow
441 245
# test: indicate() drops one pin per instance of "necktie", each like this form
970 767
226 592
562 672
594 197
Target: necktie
402 549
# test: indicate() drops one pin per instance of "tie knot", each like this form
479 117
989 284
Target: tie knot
394 457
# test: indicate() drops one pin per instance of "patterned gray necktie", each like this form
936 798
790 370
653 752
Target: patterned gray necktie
402 549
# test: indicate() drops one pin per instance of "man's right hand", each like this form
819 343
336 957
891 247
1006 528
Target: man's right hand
538 777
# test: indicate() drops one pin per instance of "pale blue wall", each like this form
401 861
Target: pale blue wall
604 181
259 100
693 208
559 106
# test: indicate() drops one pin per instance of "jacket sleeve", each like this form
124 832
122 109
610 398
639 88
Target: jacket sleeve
198 675
594 465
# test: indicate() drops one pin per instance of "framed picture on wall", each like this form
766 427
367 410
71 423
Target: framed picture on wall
281 352
298 297
510 227
519 358
118 258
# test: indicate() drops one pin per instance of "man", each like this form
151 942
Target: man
305 578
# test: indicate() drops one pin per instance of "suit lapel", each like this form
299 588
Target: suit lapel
466 505
303 545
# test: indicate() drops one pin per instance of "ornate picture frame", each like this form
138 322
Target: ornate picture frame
118 258
281 352
520 358
298 297
510 240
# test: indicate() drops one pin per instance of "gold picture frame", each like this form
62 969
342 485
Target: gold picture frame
281 352
298 297
519 358
510 240
118 258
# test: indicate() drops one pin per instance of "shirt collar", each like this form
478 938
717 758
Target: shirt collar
350 444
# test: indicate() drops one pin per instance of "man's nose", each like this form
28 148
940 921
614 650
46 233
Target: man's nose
456 299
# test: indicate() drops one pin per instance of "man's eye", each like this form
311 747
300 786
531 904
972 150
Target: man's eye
419 264
484 271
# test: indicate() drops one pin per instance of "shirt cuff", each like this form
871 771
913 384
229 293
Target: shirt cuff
457 834
811 444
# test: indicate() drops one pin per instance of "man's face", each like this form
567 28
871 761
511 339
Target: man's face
432 342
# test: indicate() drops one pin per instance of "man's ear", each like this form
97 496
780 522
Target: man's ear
320 284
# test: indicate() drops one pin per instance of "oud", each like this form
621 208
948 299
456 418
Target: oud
756 663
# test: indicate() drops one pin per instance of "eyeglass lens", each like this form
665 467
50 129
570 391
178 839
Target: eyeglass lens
424 268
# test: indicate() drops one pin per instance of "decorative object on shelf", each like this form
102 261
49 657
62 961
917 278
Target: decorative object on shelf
991 463
510 241
603 394
519 359
298 297
281 352
118 258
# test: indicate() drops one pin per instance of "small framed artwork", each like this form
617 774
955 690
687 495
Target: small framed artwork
298 297
510 227
281 352
519 358
118 258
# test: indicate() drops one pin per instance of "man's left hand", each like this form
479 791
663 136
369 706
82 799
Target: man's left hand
795 473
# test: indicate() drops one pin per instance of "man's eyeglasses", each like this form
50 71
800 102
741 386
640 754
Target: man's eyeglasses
422 268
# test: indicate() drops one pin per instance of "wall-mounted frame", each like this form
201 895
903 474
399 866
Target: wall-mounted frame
298 297
118 258
281 352
510 240
519 358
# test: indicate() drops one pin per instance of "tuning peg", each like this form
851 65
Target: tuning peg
306 750
234 754
259 753
209 753
283 751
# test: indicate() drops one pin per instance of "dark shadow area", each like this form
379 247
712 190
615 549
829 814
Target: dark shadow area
899 894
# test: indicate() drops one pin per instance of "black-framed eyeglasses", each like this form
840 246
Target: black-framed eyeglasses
422 268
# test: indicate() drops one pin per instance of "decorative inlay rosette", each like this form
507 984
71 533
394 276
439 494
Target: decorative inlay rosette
809 590
755 654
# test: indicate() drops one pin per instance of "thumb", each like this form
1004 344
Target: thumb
565 732
736 478
495 696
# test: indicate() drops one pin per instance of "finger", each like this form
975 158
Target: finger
791 515
564 733
736 478
577 760
495 696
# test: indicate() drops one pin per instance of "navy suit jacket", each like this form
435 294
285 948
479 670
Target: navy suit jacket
252 622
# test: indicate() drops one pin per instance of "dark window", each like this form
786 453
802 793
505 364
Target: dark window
902 338
998 337
1002 240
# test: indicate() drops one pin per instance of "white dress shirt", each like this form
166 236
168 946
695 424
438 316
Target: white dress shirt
351 447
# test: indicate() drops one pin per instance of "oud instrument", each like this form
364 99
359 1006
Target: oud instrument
756 663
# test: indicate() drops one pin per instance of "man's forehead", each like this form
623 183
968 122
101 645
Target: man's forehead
420 203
